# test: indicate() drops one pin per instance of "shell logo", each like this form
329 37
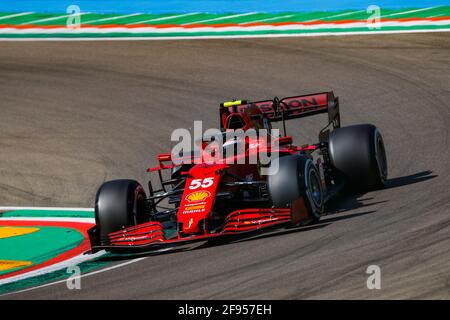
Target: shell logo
198 196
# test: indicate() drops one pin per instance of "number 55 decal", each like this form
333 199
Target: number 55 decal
204 183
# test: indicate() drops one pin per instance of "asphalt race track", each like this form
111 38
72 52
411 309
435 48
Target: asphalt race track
74 114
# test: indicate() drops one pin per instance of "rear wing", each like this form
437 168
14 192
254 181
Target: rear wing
292 107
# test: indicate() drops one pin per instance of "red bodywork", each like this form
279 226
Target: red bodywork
203 181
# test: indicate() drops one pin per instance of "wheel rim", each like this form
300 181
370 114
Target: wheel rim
315 189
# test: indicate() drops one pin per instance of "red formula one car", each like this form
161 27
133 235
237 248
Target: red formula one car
202 200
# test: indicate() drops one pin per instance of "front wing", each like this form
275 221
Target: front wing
150 236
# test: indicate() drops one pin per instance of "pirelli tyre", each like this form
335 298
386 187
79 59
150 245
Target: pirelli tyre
294 177
119 204
358 155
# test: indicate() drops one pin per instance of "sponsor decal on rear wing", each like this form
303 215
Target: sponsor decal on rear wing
292 107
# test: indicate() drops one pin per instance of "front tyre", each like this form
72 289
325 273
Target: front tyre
119 204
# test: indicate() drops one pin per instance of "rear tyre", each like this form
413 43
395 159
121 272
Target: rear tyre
119 204
358 155
297 177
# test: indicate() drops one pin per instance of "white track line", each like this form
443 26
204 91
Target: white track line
268 19
81 276
233 28
221 18
410 11
164 18
16 15
251 36
46 19
54 18
54 267
50 219
45 208
341 15
113 18
438 15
